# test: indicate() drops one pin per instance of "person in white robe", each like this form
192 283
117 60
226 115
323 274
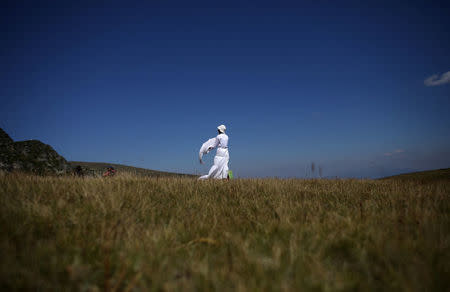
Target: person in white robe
220 168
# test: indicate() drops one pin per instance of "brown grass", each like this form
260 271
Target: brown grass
177 234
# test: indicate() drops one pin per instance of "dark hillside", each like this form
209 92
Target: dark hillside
423 176
4 138
33 156
30 156
97 168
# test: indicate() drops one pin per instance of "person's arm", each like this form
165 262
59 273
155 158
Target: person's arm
214 145
206 147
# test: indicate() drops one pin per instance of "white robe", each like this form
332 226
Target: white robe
220 168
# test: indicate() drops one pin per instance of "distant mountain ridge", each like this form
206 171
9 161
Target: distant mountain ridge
422 176
97 168
33 156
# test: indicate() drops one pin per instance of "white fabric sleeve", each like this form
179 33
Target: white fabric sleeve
207 146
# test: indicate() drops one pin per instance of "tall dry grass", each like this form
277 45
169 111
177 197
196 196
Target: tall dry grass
179 234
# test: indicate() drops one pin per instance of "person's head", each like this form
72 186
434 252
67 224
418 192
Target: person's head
221 129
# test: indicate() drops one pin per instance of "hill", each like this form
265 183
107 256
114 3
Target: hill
97 169
33 156
30 156
423 176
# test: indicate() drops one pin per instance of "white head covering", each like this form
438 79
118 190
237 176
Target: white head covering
222 128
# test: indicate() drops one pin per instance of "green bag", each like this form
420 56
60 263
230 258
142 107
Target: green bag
230 174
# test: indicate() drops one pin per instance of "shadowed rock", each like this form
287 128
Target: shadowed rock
30 156
4 138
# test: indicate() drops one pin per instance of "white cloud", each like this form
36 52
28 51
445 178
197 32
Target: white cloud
434 79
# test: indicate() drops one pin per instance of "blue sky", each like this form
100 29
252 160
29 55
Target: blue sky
145 83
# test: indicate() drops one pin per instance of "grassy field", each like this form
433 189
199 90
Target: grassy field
131 233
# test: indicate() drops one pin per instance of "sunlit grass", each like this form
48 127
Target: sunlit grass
133 233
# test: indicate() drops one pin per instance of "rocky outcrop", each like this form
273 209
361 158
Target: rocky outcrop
30 156
4 138
7 151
